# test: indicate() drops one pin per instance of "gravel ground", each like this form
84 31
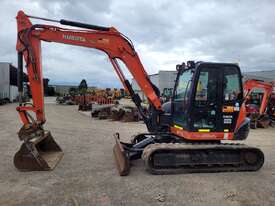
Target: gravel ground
87 174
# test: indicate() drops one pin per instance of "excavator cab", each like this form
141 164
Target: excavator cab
206 107
207 97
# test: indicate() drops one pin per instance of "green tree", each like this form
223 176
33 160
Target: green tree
83 86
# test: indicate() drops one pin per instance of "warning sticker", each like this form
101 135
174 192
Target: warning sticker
225 136
227 121
227 109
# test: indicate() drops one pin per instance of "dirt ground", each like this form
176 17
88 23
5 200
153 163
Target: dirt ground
87 174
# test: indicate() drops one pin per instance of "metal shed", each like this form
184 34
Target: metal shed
8 81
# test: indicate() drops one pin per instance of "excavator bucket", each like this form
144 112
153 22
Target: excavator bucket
41 153
264 121
121 158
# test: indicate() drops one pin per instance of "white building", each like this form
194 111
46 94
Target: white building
163 80
8 81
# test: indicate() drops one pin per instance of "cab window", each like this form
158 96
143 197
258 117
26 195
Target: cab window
206 90
206 98
182 93
256 96
201 91
184 84
231 85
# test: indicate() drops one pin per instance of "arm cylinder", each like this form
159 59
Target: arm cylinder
20 76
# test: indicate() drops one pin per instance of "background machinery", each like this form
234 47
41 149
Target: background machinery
271 110
207 107
259 102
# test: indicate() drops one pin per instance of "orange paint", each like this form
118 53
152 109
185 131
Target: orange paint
227 109
201 135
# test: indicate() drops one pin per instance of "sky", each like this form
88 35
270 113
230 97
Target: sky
165 33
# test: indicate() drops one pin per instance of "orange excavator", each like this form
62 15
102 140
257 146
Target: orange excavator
183 137
258 102
271 108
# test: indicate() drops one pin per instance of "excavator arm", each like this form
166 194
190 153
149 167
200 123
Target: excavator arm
39 150
107 39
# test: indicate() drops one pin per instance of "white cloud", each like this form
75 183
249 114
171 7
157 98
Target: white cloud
165 33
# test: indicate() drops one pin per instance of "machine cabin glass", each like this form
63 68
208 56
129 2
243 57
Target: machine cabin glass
207 98
181 97
206 105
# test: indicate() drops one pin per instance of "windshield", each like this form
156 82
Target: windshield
182 94
183 86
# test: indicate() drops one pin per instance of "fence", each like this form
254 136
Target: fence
92 99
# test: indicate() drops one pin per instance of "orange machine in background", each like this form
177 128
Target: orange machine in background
259 102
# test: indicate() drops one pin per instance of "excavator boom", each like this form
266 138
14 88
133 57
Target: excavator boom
106 39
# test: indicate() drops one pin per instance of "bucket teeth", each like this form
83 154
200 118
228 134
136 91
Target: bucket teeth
41 153
121 158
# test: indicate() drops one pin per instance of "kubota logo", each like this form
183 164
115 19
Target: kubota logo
74 38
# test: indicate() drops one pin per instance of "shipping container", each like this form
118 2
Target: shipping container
8 81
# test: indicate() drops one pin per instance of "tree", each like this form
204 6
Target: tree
83 89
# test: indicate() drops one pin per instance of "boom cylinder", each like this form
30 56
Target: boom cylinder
83 25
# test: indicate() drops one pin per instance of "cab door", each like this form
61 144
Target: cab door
206 109
232 98
217 98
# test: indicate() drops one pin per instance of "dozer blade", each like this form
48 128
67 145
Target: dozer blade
41 153
121 158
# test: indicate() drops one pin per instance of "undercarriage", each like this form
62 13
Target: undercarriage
167 154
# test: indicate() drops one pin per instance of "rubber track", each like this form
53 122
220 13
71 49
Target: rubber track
225 150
